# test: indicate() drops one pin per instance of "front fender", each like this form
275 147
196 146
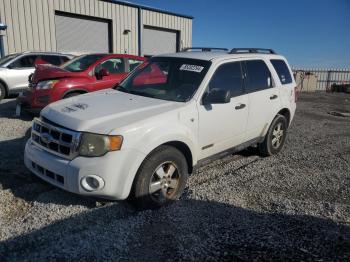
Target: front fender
152 144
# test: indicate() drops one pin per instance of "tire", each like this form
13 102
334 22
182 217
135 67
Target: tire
274 139
2 92
347 90
71 95
160 179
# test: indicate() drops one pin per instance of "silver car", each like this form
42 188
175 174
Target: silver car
16 68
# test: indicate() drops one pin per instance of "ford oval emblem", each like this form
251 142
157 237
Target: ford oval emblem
46 138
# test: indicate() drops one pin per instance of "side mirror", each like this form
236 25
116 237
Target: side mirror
103 72
217 96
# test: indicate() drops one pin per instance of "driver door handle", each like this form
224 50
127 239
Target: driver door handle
273 97
241 106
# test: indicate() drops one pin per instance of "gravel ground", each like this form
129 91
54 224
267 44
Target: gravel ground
293 206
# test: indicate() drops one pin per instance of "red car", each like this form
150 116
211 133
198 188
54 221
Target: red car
80 75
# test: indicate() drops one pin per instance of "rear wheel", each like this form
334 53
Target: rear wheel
275 137
161 178
2 91
347 90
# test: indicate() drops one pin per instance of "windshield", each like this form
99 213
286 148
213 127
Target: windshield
81 63
7 58
174 79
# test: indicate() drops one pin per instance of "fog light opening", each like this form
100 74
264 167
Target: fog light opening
92 183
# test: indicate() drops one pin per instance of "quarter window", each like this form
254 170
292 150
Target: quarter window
282 71
259 76
228 77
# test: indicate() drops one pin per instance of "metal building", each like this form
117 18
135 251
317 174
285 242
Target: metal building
80 26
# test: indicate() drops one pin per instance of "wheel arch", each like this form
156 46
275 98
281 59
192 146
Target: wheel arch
78 90
6 87
185 150
286 113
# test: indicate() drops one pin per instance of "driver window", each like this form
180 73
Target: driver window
113 66
228 77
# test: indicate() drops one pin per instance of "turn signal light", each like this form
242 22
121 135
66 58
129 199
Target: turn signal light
115 142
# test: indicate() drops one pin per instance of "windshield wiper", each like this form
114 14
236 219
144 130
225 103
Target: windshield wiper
139 93
121 88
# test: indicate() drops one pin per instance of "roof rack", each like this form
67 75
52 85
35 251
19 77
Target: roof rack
252 50
204 49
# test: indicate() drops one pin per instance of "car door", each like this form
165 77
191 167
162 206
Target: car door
116 73
263 95
19 71
222 126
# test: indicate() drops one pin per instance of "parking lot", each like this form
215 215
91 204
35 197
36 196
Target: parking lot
291 206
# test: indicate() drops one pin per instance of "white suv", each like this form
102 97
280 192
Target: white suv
16 68
144 137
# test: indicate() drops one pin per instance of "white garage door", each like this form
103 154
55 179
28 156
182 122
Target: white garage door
79 35
158 41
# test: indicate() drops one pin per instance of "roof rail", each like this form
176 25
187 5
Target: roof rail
204 49
252 50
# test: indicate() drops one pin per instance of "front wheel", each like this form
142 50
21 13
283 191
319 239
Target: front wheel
2 92
161 178
275 137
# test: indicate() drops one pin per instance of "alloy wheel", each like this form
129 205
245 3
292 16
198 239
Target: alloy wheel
277 136
164 182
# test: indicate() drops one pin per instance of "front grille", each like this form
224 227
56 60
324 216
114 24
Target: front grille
45 172
55 139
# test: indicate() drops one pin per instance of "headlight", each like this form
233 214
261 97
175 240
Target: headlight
46 84
98 145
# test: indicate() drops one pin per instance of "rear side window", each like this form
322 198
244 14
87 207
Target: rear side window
52 59
282 71
64 59
228 77
259 76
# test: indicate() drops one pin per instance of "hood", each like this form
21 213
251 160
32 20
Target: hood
103 111
43 72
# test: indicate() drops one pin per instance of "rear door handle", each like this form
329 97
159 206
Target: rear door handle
273 97
241 106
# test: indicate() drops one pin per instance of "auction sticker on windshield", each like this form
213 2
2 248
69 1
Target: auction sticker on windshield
192 68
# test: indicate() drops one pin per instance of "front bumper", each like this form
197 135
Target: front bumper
33 100
117 169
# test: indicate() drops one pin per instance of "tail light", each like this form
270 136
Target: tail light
296 94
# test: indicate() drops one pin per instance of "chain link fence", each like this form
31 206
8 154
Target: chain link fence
327 77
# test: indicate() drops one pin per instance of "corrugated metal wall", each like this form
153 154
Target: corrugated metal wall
31 23
327 77
184 25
